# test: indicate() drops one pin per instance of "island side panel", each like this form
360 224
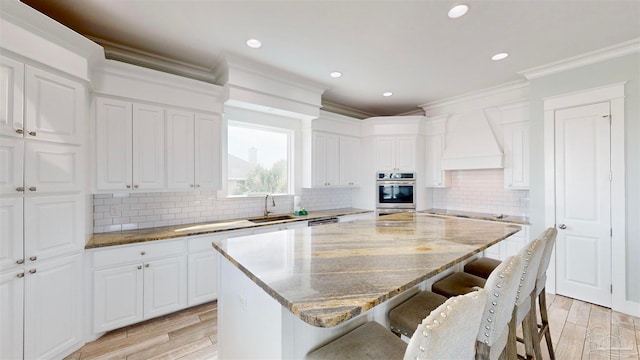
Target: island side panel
249 320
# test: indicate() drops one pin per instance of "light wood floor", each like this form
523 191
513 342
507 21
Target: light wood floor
579 330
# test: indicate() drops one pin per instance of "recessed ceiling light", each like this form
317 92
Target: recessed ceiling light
387 93
458 11
335 74
254 43
499 56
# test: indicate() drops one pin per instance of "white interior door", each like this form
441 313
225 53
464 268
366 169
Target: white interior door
583 203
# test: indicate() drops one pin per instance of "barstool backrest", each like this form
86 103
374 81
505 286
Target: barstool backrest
501 287
550 239
532 254
449 331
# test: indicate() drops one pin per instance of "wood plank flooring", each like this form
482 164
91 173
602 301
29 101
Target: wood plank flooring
579 330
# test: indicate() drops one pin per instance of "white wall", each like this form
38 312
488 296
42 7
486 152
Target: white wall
626 68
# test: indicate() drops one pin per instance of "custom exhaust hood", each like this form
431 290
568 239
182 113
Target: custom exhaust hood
471 143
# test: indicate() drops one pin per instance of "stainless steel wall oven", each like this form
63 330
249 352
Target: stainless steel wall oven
395 192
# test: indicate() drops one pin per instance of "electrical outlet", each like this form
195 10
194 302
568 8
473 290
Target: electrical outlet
115 211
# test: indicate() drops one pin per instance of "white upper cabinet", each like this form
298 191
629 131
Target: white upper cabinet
396 153
11 97
192 150
515 121
130 140
349 161
436 177
55 107
326 157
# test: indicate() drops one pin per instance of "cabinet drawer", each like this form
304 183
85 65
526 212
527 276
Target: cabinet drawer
142 252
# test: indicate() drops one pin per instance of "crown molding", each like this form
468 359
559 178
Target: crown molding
345 110
607 53
508 93
119 52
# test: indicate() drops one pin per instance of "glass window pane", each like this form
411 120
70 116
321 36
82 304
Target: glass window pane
258 160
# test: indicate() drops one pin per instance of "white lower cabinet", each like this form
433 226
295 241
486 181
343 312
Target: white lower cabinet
41 311
203 277
510 246
131 293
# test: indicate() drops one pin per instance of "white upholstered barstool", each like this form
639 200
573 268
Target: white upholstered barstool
449 332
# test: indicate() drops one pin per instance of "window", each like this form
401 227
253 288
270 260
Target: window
258 159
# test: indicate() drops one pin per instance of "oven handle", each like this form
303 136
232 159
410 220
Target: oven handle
396 182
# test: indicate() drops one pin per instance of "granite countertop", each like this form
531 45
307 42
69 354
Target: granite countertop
169 232
522 220
326 275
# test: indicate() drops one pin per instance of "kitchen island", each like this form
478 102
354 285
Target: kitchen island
285 293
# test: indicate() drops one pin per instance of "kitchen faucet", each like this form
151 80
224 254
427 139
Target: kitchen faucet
273 201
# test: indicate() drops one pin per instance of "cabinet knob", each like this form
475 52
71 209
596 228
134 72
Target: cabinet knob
143 253
197 185
32 133
128 186
135 186
33 188
32 271
20 261
19 131
191 185
20 275
139 267
33 258
20 189
146 265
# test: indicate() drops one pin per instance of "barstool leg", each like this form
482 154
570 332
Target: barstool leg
532 323
512 340
545 331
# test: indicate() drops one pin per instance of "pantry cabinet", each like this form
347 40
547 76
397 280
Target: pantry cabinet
130 146
436 177
11 97
349 161
192 150
396 153
516 149
41 309
11 233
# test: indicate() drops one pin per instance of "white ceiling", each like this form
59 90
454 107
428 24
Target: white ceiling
408 47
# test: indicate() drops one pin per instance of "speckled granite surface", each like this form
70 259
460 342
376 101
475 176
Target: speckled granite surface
169 232
328 274
480 216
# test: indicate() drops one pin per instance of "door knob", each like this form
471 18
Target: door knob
562 226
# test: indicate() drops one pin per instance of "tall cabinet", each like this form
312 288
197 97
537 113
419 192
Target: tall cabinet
41 211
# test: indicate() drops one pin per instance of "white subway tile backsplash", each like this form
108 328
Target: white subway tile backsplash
481 191
145 210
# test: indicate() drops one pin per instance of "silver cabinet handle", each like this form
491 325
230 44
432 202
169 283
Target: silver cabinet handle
19 131
146 265
33 258
192 185
20 189
32 271
33 188
20 261
128 186
139 267
20 275
32 133
197 185
135 186
143 253
562 226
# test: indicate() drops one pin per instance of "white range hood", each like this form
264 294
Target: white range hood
471 143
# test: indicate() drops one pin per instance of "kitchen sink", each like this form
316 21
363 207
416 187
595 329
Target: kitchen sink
264 219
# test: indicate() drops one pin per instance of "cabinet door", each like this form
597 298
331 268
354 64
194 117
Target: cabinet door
180 149
53 225
349 160
148 147
516 148
207 151
385 153
11 311
55 107
113 145
117 297
11 231
50 167
11 97
203 277
11 166
332 163
319 160
405 157
53 308
436 177
165 286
